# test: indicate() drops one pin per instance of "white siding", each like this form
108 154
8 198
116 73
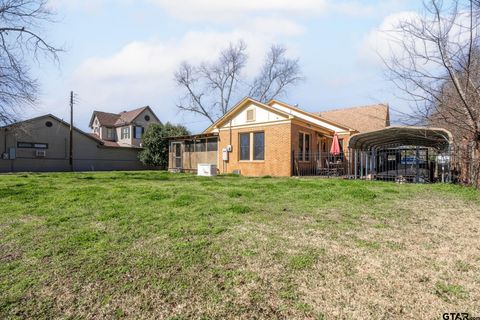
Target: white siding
262 115
308 118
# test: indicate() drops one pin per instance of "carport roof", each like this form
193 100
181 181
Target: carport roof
392 137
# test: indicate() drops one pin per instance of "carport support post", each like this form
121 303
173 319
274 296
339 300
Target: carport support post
356 163
366 164
417 167
361 164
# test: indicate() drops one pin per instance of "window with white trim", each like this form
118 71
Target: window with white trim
125 133
252 146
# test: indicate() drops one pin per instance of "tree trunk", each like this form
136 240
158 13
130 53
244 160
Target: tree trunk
475 165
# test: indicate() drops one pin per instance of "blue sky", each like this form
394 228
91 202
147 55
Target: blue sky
121 54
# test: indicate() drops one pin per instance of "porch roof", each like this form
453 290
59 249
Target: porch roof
193 136
392 137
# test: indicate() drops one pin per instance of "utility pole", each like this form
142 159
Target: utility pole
71 131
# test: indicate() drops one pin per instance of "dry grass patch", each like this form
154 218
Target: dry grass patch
146 245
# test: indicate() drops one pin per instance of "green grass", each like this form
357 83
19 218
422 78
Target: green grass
175 246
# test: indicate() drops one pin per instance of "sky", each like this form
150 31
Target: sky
122 54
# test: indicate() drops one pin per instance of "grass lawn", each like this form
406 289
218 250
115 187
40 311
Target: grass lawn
159 245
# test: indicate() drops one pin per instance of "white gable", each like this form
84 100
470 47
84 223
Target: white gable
260 115
308 118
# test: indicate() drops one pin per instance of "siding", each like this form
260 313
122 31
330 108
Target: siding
88 154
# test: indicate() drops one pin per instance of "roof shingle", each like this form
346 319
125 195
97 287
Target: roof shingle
115 120
363 118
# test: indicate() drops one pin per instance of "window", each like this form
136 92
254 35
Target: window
49 124
252 146
32 145
147 118
212 144
304 146
110 134
125 133
245 146
259 146
250 115
307 147
189 146
138 132
200 145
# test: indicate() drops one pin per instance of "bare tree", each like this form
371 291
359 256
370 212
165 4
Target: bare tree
21 42
276 75
210 88
437 67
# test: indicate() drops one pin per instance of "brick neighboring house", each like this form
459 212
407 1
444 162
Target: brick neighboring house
123 129
264 139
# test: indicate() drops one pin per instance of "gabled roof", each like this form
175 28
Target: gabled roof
108 119
307 115
238 106
362 118
105 118
99 141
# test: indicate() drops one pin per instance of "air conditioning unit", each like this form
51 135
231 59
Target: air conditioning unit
40 153
206 170
5 156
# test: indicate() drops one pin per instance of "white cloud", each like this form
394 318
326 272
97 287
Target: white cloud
384 40
232 9
358 8
142 72
86 5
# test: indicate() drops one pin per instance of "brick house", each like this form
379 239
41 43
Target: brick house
257 139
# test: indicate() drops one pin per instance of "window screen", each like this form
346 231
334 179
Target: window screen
245 146
259 146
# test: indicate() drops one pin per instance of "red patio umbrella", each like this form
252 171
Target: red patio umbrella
335 149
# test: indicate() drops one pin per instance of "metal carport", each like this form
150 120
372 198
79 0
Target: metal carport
413 154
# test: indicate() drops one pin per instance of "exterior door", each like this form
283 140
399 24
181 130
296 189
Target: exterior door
177 155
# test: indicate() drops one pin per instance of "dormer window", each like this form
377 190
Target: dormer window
250 115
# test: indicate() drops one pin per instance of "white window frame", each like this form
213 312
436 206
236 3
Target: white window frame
251 146
125 133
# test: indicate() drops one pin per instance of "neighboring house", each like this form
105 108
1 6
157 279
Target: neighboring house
124 129
43 143
257 139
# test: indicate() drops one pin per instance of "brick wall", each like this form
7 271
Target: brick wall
278 149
